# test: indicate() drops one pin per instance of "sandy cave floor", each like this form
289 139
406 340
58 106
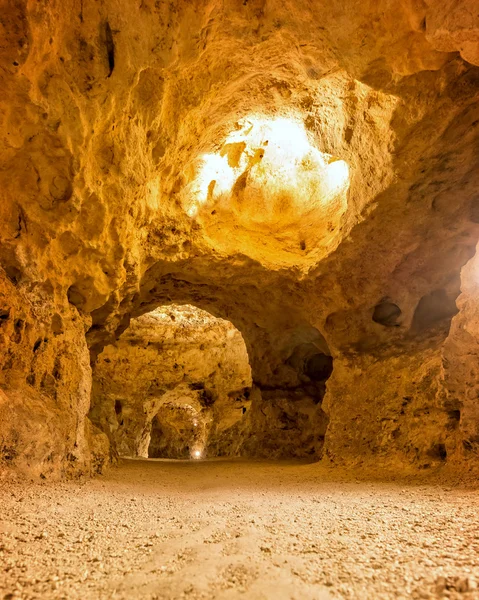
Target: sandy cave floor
237 529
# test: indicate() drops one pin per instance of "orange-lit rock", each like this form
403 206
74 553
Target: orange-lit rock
268 193
346 238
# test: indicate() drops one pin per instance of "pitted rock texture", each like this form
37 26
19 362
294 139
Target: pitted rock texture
46 385
137 170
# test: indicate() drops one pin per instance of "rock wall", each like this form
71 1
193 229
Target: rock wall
146 159
46 384
459 375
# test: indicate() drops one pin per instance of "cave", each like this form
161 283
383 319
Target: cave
239 299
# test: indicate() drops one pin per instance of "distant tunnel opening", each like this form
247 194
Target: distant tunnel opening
177 384
175 380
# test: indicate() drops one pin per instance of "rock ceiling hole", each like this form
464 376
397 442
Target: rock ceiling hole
269 193
387 313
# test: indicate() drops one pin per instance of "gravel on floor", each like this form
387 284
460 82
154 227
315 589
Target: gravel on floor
226 529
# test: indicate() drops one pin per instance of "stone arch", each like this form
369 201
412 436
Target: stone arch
283 409
176 355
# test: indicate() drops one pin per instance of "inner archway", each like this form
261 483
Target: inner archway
178 384
171 364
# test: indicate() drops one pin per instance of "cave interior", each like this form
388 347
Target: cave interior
239 233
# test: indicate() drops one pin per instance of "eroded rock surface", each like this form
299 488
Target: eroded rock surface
305 170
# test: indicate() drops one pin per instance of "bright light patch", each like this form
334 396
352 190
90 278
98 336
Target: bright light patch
269 192
286 138
337 176
192 211
215 177
197 454
279 144
275 157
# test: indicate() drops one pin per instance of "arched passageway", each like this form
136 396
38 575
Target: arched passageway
178 384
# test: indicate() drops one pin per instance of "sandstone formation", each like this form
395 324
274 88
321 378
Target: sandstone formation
306 171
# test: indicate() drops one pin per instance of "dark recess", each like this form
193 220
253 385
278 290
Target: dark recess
434 309
110 48
319 367
386 314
